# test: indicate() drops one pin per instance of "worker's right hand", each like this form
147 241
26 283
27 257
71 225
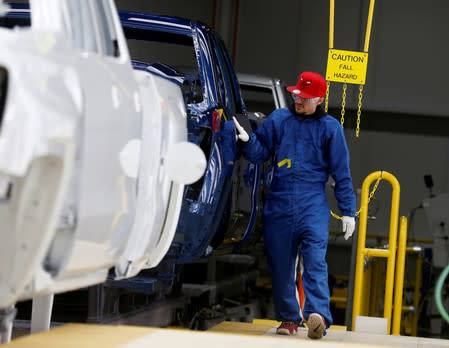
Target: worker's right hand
348 226
242 134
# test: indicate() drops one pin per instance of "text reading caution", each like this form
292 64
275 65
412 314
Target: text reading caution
347 66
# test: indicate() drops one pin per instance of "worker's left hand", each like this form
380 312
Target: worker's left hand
348 226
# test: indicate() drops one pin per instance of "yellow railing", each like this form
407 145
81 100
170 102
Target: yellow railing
413 310
399 283
389 254
372 291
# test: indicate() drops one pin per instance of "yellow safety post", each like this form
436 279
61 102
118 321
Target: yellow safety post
375 291
338 299
417 293
399 281
367 279
413 309
389 253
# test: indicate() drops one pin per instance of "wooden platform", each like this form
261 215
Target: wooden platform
260 334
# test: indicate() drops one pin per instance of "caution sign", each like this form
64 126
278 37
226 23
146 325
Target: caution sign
347 66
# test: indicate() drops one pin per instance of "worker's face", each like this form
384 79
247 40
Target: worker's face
306 106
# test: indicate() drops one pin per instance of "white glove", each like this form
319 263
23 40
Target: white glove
242 134
348 226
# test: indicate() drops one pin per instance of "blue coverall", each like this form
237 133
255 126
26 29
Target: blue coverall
306 149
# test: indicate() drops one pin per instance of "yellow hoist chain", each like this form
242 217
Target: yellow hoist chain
343 104
359 111
370 196
365 50
326 103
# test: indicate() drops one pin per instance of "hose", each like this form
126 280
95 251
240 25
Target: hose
439 287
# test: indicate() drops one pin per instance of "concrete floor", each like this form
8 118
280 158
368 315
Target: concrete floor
259 334
336 336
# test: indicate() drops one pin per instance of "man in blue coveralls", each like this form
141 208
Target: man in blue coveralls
308 145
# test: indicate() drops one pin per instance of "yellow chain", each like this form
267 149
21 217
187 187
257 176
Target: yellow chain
326 104
370 196
359 111
343 104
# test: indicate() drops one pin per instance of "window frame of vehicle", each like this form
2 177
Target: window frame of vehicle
96 17
231 95
239 102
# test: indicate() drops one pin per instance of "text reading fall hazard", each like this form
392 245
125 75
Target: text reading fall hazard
347 66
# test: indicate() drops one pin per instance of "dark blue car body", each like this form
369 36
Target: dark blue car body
212 215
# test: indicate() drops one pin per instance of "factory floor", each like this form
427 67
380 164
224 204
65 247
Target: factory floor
260 333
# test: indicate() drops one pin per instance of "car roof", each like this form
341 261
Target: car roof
142 20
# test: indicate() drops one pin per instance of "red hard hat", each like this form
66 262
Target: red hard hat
309 85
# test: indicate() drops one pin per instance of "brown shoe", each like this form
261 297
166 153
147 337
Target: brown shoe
316 326
287 328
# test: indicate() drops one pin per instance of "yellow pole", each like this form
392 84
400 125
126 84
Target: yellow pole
367 278
371 296
331 45
375 292
400 269
338 299
360 258
416 293
369 24
394 217
377 252
331 23
362 251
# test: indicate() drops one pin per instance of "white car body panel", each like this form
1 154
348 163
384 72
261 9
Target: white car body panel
85 153
35 159
164 124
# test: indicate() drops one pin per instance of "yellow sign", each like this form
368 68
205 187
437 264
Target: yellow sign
347 66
